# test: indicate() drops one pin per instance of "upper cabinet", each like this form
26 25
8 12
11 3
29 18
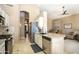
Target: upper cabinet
4 18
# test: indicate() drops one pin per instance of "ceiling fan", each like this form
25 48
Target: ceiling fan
65 12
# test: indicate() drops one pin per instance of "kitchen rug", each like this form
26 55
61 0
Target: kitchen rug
36 48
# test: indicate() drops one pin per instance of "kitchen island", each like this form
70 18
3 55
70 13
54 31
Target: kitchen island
53 43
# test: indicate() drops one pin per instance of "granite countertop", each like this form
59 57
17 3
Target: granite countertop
5 35
52 35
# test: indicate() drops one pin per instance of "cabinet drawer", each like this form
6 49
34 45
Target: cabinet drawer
38 40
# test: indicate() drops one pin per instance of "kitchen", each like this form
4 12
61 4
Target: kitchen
40 30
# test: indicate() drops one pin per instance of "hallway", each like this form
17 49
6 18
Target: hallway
24 47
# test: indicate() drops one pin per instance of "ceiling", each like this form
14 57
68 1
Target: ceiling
55 10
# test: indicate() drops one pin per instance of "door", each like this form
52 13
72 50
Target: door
24 24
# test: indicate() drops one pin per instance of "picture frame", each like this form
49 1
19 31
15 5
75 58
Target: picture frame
68 26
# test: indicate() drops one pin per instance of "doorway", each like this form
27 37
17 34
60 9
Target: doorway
24 24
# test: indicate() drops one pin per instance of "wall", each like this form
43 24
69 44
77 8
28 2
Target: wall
73 19
33 10
49 24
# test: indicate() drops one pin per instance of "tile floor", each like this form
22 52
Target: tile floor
24 47
71 46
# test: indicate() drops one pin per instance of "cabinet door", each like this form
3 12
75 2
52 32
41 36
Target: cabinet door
2 48
38 40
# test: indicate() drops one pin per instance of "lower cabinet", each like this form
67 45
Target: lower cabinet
5 44
47 45
38 39
2 46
